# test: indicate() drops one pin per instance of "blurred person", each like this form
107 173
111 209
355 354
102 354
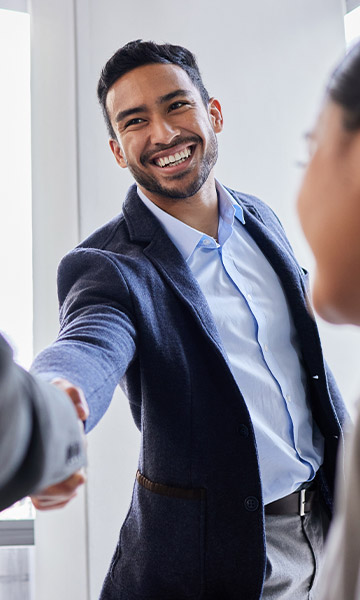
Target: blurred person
41 437
329 210
193 300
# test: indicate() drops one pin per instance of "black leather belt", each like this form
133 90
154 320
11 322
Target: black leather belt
298 503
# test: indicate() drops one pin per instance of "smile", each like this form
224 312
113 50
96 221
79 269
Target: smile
173 159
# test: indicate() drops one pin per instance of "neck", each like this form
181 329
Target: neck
199 211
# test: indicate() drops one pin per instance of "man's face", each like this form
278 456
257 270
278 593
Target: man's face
329 210
165 134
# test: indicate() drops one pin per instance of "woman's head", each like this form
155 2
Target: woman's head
344 88
329 198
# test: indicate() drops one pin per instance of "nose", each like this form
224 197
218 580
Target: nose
162 131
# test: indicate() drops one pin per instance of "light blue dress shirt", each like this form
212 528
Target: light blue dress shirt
255 326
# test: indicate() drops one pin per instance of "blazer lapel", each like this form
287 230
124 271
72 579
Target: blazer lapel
279 254
144 228
272 241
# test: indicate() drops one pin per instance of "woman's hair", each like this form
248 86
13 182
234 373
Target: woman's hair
344 88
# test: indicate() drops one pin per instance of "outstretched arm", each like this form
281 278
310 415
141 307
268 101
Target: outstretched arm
97 337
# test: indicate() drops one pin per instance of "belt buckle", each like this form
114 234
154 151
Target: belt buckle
302 503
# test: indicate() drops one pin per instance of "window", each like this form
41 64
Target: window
16 523
352 26
15 184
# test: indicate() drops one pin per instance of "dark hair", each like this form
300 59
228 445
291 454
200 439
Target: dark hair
138 53
344 87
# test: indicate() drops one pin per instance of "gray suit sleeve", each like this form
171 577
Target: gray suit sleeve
40 438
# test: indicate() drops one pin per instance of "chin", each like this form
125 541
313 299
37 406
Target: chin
336 306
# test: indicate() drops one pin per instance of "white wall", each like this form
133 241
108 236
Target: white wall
267 63
60 536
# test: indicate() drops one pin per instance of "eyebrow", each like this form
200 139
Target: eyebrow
129 111
309 135
172 95
142 108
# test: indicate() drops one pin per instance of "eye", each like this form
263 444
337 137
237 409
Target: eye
176 105
302 164
136 121
310 147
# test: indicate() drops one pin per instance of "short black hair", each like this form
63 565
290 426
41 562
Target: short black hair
344 88
138 53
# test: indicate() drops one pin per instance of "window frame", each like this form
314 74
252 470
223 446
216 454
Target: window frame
17 533
16 5
351 5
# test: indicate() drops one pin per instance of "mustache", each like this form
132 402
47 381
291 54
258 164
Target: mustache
147 156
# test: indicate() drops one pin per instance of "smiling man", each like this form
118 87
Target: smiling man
179 125
192 300
167 140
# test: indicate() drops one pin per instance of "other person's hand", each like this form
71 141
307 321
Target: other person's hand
60 494
76 395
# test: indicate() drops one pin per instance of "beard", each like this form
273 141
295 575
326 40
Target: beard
178 191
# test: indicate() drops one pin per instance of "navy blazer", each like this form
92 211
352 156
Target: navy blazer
132 312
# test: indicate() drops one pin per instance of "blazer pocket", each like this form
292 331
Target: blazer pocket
161 547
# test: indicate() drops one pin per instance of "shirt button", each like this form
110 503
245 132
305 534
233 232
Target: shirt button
266 347
243 430
251 503
249 296
206 242
288 397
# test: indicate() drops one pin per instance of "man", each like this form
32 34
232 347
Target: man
41 442
193 300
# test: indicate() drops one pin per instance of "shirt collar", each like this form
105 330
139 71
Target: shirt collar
186 238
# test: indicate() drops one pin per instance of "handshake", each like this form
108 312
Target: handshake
42 438
59 494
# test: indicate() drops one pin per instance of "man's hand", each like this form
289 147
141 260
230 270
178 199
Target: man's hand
60 494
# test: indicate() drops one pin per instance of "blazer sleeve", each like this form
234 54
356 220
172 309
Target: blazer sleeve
40 436
97 337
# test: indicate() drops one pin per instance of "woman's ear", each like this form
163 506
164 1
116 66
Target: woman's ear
215 114
354 145
117 152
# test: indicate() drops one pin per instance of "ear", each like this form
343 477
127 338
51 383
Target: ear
117 152
215 114
353 159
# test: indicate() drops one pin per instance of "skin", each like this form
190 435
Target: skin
168 116
162 126
329 211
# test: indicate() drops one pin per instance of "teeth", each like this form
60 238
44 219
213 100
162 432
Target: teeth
171 159
177 162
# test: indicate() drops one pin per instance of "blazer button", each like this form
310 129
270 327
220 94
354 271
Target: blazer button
243 430
251 503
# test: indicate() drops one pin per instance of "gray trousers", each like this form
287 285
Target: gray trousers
294 547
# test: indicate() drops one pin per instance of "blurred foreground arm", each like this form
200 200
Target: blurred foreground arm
41 434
